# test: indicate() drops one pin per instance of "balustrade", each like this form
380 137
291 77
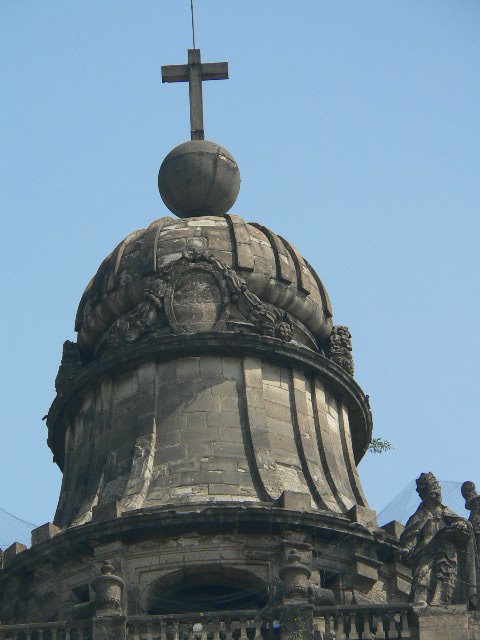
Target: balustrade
362 622
47 631
354 622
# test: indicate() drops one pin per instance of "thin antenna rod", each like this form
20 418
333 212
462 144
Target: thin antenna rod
193 24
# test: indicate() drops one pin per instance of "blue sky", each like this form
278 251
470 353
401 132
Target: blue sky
356 129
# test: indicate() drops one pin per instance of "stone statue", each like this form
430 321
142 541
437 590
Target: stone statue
439 547
472 504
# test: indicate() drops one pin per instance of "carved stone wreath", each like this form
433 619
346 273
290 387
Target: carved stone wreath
195 294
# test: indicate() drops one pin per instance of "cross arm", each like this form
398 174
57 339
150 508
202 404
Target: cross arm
175 73
215 71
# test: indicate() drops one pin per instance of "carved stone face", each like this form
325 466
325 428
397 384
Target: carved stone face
468 490
432 495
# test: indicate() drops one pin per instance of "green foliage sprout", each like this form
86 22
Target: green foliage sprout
379 445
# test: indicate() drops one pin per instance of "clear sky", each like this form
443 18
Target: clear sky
356 129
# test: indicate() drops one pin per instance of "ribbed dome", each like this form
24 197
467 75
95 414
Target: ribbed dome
271 268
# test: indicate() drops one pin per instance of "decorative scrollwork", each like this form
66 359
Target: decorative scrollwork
131 326
202 270
267 321
339 348
70 365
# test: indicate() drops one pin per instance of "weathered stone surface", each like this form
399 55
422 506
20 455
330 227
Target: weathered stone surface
296 500
444 623
364 516
106 511
394 528
109 628
44 532
12 552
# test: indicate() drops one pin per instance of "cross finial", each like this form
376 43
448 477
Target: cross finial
194 73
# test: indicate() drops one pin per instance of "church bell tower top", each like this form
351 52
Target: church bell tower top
198 177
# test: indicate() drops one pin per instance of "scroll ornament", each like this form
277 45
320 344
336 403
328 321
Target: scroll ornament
155 306
339 348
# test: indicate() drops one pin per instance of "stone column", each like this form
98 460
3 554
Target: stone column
109 622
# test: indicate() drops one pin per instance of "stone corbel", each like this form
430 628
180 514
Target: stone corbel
365 568
399 578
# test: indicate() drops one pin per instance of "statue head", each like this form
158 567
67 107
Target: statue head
468 490
428 488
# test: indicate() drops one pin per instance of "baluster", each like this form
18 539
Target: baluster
176 633
355 618
329 626
380 631
208 629
319 626
243 629
216 629
135 635
257 627
68 635
162 630
341 635
224 629
404 625
394 631
228 630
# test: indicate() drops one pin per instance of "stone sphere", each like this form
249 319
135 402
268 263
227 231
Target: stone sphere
199 178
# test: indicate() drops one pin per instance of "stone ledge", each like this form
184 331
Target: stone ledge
224 517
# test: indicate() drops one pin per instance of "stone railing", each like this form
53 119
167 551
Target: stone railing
225 625
76 630
353 622
357 622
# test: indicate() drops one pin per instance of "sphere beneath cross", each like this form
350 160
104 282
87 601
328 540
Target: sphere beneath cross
199 178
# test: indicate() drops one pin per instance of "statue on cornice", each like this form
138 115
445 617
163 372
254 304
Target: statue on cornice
439 546
472 504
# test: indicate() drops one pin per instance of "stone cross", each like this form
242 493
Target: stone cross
194 73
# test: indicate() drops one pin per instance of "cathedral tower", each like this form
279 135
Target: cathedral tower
208 427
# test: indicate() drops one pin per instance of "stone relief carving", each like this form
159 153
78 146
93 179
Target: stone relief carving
70 365
440 549
193 294
339 348
131 326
